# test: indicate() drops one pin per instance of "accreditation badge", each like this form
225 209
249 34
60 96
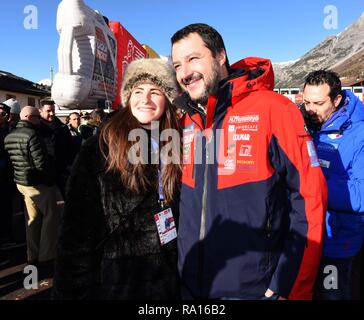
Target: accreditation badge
166 226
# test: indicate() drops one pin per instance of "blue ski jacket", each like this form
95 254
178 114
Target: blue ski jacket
340 148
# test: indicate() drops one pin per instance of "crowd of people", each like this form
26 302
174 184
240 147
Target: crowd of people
256 198
37 152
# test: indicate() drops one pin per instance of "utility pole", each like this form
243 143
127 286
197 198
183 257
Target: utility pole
51 75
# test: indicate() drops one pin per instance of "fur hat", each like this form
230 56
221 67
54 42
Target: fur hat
13 105
156 71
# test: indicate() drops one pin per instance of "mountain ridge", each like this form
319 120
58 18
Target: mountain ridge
342 53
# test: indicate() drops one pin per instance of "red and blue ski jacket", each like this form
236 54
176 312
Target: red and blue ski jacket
253 196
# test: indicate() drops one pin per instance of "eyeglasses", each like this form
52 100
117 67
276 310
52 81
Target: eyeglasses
3 114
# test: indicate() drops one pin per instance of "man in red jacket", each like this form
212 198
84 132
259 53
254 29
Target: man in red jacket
253 196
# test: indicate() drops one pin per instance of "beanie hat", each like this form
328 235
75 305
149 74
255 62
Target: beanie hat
13 105
156 71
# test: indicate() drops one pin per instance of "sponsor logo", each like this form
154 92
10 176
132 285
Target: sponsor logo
246 168
245 150
248 127
246 162
188 134
229 164
241 137
241 119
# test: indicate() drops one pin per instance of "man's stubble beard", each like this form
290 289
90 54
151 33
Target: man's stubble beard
211 87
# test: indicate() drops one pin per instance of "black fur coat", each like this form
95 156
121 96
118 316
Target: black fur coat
108 245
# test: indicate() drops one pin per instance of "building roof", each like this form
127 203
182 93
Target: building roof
358 82
352 82
13 83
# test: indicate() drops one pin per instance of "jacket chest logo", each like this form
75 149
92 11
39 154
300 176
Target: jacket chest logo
334 136
239 148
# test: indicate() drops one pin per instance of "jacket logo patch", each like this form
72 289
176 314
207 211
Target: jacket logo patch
245 150
229 164
334 136
312 154
187 139
241 137
248 127
324 163
245 118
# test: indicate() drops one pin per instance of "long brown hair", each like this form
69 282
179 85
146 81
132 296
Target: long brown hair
115 145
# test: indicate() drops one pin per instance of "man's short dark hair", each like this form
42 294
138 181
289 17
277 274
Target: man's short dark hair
320 77
212 39
46 101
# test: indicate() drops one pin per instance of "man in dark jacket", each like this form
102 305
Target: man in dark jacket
253 196
34 177
58 140
73 123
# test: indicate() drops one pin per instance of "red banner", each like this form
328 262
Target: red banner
128 49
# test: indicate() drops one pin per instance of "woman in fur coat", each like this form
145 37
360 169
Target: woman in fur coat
118 234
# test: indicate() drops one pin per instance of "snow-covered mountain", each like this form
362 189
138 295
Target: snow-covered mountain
344 48
45 82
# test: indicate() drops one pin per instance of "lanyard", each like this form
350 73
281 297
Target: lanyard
155 148
160 189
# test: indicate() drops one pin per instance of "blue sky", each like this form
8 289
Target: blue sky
277 29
